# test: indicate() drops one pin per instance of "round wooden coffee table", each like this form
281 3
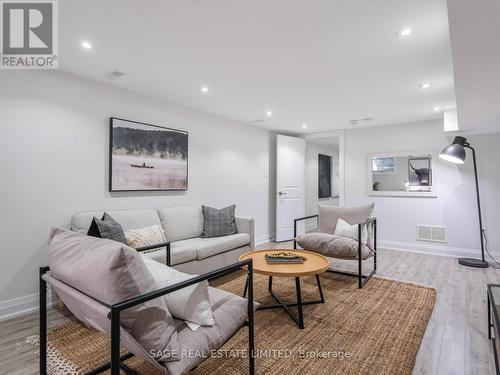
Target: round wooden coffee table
314 264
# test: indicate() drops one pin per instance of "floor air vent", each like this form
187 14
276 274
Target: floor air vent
431 233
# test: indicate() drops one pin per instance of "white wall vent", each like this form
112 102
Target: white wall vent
431 233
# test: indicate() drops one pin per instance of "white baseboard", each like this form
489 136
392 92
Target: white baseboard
23 305
444 250
265 239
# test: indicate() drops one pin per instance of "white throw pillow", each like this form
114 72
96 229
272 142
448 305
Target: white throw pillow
344 229
145 236
191 303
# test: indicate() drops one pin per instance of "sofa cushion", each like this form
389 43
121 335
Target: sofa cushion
330 215
148 236
113 272
218 222
332 246
191 303
180 223
106 227
229 312
207 247
128 219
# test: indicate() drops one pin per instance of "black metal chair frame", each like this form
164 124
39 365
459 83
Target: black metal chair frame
114 315
362 279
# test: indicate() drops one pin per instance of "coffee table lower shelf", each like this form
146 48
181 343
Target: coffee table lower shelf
299 317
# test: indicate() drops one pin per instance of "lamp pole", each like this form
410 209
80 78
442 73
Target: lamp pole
467 261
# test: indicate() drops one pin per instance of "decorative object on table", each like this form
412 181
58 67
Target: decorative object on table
284 257
147 157
324 176
107 228
360 244
419 171
218 223
455 153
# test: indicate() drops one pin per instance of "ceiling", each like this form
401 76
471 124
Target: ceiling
318 62
475 30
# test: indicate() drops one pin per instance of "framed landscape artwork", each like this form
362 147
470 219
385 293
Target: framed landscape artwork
147 157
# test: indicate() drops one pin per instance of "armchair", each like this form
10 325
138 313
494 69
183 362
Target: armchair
113 315
335 247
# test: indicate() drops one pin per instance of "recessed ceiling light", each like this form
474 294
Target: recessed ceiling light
304 126
269 113
86 44
425 85
436 108
204 89
404 32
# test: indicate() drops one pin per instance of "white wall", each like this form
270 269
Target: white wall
311 171
455 207
54 157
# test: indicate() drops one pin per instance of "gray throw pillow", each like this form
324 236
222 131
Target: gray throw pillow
107 228
218 222
113 272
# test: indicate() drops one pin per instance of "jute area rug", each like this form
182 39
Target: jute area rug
375 330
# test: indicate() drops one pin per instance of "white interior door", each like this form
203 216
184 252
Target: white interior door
290 194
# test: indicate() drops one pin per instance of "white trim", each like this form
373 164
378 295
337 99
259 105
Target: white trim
23 305
433 249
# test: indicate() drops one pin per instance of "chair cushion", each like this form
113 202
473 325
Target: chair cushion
128 219
113 272
330 215
180 223
332 246
190 303
217 222
229 312
207 247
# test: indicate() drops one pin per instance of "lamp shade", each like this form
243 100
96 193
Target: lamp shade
455 152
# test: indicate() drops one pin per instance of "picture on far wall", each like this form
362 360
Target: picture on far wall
324 176
147 157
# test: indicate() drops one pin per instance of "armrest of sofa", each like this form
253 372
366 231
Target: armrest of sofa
246 225
166 245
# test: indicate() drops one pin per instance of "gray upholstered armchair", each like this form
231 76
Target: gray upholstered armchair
344 233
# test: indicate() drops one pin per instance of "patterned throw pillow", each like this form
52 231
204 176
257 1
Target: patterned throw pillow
218 222
106 227
145 237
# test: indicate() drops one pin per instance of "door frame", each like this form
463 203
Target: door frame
340 134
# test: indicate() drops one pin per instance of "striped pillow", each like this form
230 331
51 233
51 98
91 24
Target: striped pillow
145 237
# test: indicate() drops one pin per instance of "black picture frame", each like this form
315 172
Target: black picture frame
324 176
111 185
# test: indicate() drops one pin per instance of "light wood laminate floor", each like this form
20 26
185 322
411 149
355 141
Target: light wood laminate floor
455 341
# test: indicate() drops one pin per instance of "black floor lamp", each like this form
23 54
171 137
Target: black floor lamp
455 153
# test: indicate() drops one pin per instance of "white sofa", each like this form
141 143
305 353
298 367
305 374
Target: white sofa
183 226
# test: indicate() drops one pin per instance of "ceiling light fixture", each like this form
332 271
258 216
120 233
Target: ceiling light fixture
86 44
425 85
204 89
304 126
436 108
269 113
404 32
